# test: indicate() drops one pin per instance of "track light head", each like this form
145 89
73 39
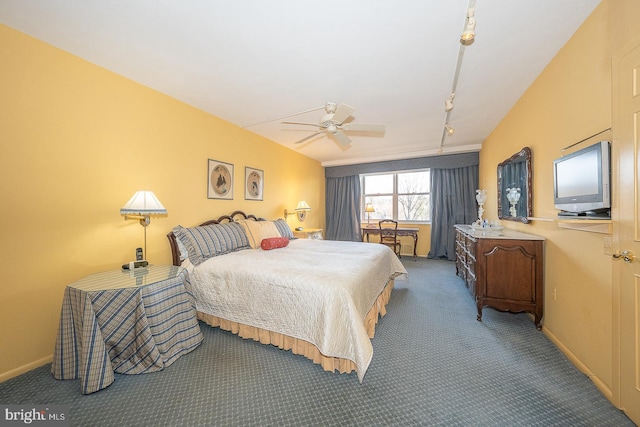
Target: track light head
450 131
448 103
469 34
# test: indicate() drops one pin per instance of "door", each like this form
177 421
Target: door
626 149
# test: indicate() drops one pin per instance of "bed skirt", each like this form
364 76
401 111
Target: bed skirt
299 346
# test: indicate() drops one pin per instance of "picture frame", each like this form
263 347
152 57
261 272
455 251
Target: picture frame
219 180
253 183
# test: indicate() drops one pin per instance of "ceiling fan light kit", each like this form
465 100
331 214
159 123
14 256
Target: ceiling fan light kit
333 124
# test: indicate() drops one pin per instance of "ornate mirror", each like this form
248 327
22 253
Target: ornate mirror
514 187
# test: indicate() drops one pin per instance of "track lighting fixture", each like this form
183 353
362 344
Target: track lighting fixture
466 39
450 131
448 103
469 33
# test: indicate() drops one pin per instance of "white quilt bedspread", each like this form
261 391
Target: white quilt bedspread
316 290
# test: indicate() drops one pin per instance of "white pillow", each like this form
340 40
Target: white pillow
258 230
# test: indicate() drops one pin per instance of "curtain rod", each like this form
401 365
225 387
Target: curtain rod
589 137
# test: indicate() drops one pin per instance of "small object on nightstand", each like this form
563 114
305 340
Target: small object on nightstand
135 264
309 233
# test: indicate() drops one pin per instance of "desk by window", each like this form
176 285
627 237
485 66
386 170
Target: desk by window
402 231
130 322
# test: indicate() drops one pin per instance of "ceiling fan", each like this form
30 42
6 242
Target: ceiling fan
333 123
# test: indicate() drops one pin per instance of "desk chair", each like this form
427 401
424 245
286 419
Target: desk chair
389 235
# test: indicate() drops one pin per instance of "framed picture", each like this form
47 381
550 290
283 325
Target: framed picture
253 183
220 180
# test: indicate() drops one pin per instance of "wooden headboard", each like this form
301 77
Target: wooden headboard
175 252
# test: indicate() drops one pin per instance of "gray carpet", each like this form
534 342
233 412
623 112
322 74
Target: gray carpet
433 365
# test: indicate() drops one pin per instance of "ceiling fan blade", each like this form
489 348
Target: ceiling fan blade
363 127
309 137
342 139
342 113
300 123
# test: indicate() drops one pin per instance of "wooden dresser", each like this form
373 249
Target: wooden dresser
502 269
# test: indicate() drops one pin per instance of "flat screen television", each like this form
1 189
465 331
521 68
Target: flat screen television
581 182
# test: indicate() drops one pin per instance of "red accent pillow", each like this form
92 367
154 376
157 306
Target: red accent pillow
274 243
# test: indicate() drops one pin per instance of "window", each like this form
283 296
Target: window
403 196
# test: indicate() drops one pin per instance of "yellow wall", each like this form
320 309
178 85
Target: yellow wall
569 101
77 141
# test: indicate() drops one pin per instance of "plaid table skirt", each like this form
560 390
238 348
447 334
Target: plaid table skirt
132 330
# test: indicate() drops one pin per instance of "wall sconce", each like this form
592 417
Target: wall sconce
368 208
141 206
300 211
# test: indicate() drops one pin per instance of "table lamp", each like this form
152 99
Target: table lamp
368 209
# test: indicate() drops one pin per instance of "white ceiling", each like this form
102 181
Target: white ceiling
254 60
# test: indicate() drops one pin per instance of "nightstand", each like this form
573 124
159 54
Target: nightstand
130 322
309 233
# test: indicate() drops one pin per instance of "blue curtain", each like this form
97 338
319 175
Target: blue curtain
342 203
453 201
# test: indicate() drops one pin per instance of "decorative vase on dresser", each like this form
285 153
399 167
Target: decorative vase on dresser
502 269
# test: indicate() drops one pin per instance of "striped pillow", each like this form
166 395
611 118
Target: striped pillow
182 250
212 240
283 228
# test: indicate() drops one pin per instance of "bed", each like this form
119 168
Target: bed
318 298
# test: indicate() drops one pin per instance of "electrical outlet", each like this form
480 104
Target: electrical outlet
608 244
555 293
